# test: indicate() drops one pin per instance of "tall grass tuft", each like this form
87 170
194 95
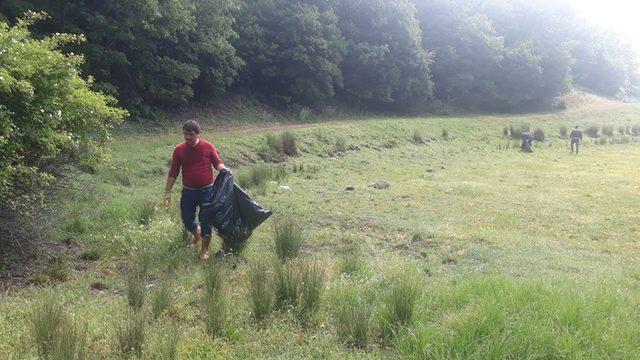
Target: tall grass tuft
621 130
214 300
351 261
289 147
168 347
445 134
286 284
607 130
130 334
352 316
399 304
273 143
46 320
563 131
592 131
299 285
136 285
262 291
635 129
161 300
310 288
538 134
146 212
55 335
505 131
72 343
287 236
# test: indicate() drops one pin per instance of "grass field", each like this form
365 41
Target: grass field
507 254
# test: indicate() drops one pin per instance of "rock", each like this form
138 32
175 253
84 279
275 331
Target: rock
381 184
350 188
285 187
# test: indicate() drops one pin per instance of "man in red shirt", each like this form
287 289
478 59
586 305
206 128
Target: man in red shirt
195 156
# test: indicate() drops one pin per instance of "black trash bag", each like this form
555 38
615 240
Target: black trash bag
232 212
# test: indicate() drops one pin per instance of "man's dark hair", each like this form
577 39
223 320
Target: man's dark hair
191 125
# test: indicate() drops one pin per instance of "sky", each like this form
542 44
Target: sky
619 15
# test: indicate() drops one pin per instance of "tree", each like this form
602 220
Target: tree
293 50
385 65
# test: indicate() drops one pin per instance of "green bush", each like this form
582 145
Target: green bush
146 212
299 285
49 117
538 134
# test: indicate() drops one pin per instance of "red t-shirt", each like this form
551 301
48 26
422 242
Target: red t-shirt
196 164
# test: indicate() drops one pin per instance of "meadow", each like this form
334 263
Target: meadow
474 250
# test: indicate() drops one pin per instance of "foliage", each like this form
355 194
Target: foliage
49 117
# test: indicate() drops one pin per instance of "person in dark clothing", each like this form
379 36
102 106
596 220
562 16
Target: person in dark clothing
576 137
527 140
195 157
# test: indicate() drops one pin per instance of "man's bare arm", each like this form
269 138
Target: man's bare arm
170 182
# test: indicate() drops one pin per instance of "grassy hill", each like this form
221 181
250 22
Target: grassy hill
506 254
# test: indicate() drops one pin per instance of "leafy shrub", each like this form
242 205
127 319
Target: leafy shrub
43 97
538 135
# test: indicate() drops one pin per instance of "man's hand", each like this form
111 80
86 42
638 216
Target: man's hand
166 199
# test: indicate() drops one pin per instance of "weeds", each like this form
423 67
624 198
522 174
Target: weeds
351 261
299 285
445 134
340 146
91 254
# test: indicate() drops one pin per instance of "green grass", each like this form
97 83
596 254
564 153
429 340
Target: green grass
515 255
287 236
262 291
130 334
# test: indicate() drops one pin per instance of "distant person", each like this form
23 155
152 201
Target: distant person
527 141
576 137
195 156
